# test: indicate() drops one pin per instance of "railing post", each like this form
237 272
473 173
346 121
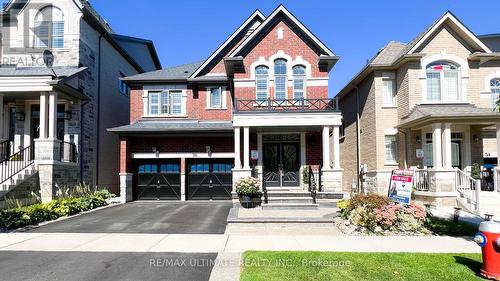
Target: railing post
478 194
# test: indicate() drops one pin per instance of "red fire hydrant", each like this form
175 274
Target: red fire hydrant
488 238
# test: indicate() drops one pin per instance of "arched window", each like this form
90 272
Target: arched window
495 91
261 82
280 87
443 82
49 28
299 82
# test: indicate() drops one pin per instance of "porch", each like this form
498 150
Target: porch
290 145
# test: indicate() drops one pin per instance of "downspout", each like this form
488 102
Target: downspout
98 134
358 140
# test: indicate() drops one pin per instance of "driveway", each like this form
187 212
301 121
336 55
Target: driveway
55 266
148 217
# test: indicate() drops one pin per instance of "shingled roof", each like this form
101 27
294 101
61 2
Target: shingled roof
176 73
170 126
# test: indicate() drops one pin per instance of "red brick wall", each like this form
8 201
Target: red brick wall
125 156
314 152
196 105
136 104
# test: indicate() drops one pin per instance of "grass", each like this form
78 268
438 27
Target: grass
450 228
301 266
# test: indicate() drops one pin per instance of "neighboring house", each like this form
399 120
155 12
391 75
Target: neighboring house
54 121
425 104
257 106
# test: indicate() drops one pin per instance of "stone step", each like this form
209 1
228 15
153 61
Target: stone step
289 206
288 194
290 199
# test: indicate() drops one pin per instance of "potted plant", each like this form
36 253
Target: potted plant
248 190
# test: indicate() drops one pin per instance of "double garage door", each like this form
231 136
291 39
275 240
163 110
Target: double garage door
205 179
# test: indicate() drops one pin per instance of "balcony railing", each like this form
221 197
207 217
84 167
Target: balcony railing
67 152
285 105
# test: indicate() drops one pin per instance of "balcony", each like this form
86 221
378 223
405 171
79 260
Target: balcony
285 105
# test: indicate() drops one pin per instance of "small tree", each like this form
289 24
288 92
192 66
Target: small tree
475 172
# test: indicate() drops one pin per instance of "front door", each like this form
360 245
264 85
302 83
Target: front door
281 164
456 156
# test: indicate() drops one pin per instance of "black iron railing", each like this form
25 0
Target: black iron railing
15 163
313 186
264 191
4 150
67 152
285 105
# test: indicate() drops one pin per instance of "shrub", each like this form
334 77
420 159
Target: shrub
364 217
386 216
343 205
371 201
248 186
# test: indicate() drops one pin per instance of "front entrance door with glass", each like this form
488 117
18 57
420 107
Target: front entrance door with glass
281 164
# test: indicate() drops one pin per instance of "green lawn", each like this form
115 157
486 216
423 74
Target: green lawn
449 228
329 266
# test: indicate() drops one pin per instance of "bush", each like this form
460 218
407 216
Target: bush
34 214
248 186
371 201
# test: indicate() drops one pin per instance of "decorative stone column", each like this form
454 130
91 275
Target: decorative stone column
126 187
331 178
436 146
446 146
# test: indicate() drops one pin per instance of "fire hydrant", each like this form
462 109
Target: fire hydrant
488 238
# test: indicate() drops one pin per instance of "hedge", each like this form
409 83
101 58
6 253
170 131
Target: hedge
37 213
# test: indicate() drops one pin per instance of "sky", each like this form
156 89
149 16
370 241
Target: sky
187 31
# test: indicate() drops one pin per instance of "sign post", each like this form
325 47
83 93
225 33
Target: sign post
401 185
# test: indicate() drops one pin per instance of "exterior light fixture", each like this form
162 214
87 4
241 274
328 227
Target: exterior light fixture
209 150
418 139
476 138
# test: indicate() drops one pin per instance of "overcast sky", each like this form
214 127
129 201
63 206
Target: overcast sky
187 31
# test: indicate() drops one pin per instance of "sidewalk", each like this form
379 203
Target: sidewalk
229 243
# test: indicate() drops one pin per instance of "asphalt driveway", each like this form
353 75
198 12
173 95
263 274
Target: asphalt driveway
58 266
148 217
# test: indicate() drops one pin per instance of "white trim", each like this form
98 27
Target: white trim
148 155
487 80
222 97
257 13
391 131
449 16
269 19
160 89
289 119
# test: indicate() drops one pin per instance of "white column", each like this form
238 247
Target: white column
43 115
326 147
336 147
52 115
436 146
2 117
246 148
467 159
237 157
498 142
446 143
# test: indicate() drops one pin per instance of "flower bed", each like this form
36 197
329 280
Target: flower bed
37 213
375 214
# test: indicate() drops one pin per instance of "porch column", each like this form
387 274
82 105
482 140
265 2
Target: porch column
52 115
2 117
246 148
43 115
436 146
237 157
446 143
336 147
326 147
498 141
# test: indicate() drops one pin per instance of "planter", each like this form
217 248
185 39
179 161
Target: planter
250 201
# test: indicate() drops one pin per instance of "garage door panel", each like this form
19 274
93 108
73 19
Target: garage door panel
209 180
158 181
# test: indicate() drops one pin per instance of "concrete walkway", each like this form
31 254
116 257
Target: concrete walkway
228 243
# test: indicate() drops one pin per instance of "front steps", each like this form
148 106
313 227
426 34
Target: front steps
16 180
289 199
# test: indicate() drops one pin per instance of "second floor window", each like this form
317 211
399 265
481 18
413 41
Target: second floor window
215 97
390 149
280 87
443 82
495 91
164 103
49 28
389 91
261 82
299 82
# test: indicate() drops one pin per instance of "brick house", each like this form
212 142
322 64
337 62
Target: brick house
257 106
53 121
428 105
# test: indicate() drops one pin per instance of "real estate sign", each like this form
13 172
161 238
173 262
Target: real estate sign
401 186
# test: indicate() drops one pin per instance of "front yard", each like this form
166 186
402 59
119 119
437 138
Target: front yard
316 266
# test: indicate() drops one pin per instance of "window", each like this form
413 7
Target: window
169 168
165 103
148 168
49 28
442 82
261 82
280 87
389 91
495 91
123 87
215 97
390 149
200 168
222 168
299 82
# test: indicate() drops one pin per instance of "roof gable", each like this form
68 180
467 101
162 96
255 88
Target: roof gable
282 13
451 21
230 43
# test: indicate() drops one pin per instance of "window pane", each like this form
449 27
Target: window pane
165 102
298 88
280 67
389 92
495 91
428 152
58 34
42 35
261 70
450 86
280 87
176 103
299 70
433 86
261 85
215 97
455 154
153 103
390 148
